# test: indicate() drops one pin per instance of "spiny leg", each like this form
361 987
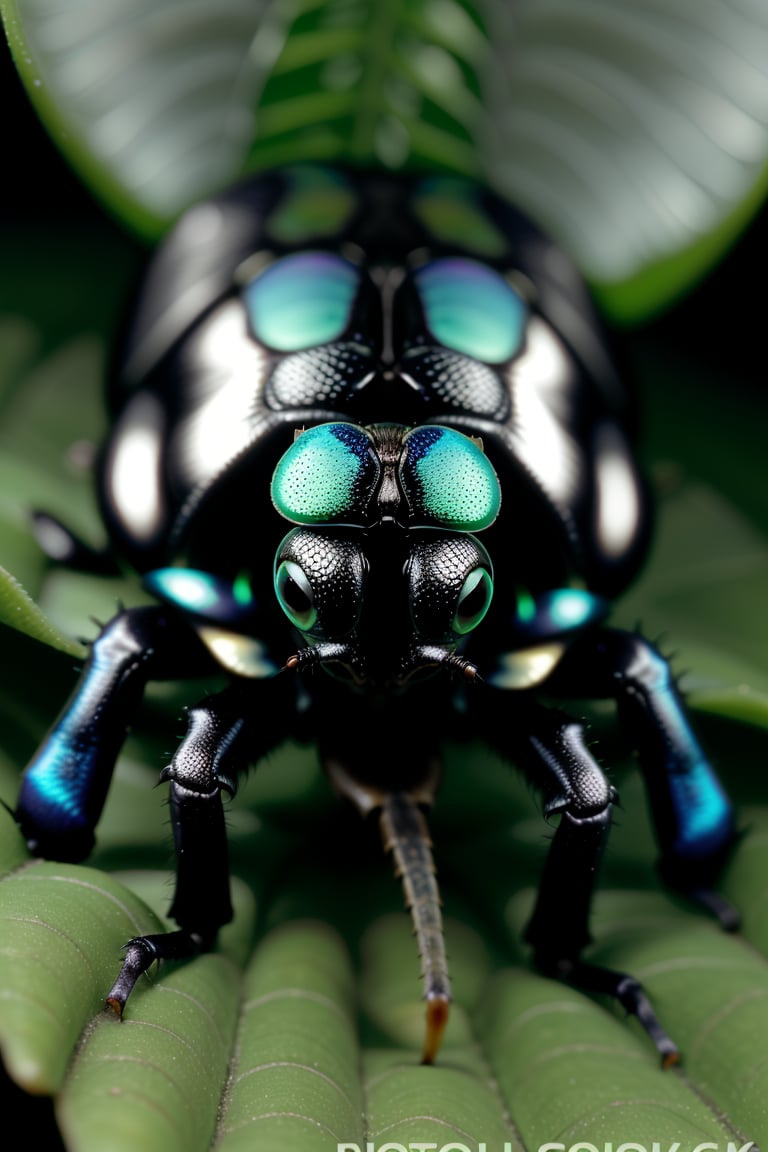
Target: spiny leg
550 746
224 734
693 817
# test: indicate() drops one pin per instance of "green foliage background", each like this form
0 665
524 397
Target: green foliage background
304 1029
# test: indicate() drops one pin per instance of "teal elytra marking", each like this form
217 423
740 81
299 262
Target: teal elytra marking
472 309
187 588
302 301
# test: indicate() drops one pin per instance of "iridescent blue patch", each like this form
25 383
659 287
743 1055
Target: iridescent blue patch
704 814
561 610
302 300
202 594
472 309
327 476
448 480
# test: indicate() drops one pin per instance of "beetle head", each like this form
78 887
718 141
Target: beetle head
383 577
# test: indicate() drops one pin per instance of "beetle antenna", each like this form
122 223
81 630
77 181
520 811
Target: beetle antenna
434 654
406 836
316 654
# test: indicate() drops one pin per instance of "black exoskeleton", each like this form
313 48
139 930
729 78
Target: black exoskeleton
408 372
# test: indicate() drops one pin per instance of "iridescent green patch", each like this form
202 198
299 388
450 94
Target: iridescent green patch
302 301
472 309
449 481
450 210
326 476
319 202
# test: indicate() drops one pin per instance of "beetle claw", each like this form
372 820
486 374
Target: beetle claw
438 1008
140 954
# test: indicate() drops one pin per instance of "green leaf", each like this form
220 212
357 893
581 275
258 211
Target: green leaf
569 1072
709 563
153 103
157 1076
63 927
294 1082
18 610
637 136
375 83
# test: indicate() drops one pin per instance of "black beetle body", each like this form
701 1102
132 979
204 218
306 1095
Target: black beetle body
394 364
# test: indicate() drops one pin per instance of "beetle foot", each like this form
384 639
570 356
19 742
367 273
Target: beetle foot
592 978
141 953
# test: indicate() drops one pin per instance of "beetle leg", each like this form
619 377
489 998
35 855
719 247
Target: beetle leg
219 745
549 746
692 815
65 785
62 546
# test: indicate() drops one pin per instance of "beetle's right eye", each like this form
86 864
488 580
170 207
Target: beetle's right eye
473 601
294 592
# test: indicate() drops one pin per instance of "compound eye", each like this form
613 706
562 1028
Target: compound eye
320 581
474 601
295 595
448 480
450 585
327 476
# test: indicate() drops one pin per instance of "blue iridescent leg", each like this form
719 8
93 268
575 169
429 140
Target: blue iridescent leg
65 784
693 817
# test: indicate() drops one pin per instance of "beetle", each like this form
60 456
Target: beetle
370 446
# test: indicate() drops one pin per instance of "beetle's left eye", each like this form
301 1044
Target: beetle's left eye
320 581
474 601
295 595
303 300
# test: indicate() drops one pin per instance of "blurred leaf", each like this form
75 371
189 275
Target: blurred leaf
153 103
637 135
376 83
709 564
